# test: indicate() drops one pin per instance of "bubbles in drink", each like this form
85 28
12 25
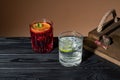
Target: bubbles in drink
70 50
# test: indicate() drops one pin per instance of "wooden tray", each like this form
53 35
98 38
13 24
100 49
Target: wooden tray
112 30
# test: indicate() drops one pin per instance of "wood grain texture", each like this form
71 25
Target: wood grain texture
19 62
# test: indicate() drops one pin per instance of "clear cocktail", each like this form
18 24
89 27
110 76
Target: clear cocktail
70 48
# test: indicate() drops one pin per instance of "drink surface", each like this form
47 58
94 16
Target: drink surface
70 50
40 27
41 37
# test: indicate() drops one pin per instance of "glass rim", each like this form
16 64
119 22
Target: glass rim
42 20
74 33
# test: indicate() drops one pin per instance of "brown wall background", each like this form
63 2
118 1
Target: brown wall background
79 15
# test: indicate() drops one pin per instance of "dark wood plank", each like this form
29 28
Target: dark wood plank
19 62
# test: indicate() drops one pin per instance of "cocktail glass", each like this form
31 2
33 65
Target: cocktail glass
42 36
70 48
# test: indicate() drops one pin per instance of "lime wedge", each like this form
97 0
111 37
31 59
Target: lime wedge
65 45
66 50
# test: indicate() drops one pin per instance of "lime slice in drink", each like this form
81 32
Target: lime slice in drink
66 45
65 50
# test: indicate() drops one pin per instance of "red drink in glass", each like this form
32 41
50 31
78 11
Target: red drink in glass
42 36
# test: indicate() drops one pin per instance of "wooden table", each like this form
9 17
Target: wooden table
19 62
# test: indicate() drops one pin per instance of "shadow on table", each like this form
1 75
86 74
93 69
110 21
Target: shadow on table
55 44
86 55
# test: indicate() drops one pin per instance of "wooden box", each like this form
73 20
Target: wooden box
95 41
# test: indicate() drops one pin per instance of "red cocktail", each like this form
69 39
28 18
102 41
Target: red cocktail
42 36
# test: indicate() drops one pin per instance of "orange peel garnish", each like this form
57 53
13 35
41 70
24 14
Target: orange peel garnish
40 27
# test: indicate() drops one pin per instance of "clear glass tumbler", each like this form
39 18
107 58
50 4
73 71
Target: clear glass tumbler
70 48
